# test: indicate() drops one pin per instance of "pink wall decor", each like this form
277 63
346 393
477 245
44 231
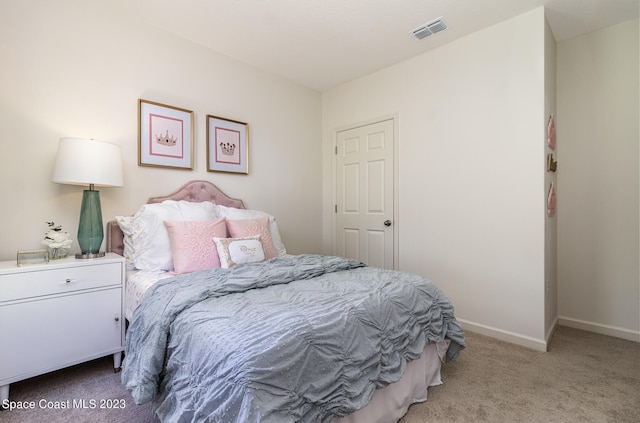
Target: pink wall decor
551 133
551 201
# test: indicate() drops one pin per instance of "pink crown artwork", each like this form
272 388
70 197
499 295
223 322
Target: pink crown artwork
166 139
228 149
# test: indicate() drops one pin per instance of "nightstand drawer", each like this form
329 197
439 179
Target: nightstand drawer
58 280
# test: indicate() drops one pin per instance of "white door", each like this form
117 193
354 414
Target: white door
364 194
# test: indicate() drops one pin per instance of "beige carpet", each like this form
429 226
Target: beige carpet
584 377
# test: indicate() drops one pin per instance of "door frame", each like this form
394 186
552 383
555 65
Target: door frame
334 191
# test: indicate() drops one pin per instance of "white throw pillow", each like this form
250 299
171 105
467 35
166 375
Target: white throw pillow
149 245
242 214
234 251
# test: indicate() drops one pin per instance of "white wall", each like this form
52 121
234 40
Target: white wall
471 170
73 69
598 133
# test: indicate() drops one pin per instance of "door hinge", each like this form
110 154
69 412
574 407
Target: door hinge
335 150
335 208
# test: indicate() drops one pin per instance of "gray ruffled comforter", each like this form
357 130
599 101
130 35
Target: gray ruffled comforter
292 339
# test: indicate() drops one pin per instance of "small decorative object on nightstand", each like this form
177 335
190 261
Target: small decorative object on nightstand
58 314
25 257
57 240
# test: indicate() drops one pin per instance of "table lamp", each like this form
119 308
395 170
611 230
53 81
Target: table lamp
95 163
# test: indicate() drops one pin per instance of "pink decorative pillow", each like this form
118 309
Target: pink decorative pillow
251 227
192 245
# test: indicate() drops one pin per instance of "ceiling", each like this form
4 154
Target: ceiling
324 43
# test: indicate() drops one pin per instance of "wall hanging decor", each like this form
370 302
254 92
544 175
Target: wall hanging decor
551 133
552 165
551 201
227 145
165 135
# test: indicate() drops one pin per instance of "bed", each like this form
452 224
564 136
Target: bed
265 336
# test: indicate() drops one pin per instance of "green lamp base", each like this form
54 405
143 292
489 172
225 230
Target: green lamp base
90 231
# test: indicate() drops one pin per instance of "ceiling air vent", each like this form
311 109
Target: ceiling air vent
423 31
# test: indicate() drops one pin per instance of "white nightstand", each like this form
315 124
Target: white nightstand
59 314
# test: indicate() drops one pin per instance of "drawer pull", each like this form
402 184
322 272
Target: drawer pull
68 280
117 318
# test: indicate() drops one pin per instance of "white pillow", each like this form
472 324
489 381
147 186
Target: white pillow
234 251
147 243
124 222
241 214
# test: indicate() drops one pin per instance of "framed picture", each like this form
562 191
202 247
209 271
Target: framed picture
227 145
165 136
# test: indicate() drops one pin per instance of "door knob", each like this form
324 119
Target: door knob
387 223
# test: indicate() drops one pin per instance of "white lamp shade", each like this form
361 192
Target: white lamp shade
85 162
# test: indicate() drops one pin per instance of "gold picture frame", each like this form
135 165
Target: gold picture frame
227 145
165 136
27 257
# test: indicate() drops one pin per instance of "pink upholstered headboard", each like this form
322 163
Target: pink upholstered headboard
194 191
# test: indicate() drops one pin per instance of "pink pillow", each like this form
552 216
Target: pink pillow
251 227
192 245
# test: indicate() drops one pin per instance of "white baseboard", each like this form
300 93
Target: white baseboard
514 338
599 328
542 345
551 331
